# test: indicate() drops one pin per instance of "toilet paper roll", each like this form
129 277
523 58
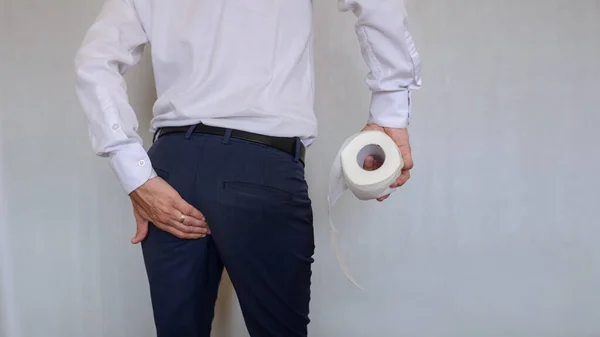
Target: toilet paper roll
347 172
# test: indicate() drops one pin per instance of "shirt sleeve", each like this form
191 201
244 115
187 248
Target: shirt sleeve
390 53
112 45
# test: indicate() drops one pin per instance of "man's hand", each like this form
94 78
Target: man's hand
400 137
157 202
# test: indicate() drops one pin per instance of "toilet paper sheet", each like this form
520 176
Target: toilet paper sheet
347 173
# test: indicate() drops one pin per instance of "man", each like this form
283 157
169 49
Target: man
223 183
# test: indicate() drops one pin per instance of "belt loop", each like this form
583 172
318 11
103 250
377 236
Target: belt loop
191 129
156 135
227 136
297 151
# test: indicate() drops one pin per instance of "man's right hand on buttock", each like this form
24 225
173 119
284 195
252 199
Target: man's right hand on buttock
159 203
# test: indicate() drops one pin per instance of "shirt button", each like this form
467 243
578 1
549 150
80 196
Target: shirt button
116 127
142 163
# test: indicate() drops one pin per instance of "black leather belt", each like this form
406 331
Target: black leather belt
285 144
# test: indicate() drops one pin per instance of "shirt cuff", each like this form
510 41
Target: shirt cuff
132 166
390 109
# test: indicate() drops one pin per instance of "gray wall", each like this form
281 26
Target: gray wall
8 322
495 235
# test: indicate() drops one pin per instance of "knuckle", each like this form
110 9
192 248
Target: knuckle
189 209
184 207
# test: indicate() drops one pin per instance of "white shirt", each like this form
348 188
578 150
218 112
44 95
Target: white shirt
238 64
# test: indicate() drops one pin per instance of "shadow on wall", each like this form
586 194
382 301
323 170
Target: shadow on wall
3 331
8 323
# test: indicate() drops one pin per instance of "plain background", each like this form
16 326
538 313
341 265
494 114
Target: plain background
496 234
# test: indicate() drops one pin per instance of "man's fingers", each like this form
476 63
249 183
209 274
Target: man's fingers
184 221
402 179
383 198
189 210
181 234
399 182
187 228
193 222
142 229
372 164
192 218
140 235
369 164
407 159
156 201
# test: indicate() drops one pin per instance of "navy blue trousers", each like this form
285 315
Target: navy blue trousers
255 200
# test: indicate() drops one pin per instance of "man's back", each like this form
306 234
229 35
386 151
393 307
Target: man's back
238 64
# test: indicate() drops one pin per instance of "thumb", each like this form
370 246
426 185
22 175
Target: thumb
142 229
369 163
